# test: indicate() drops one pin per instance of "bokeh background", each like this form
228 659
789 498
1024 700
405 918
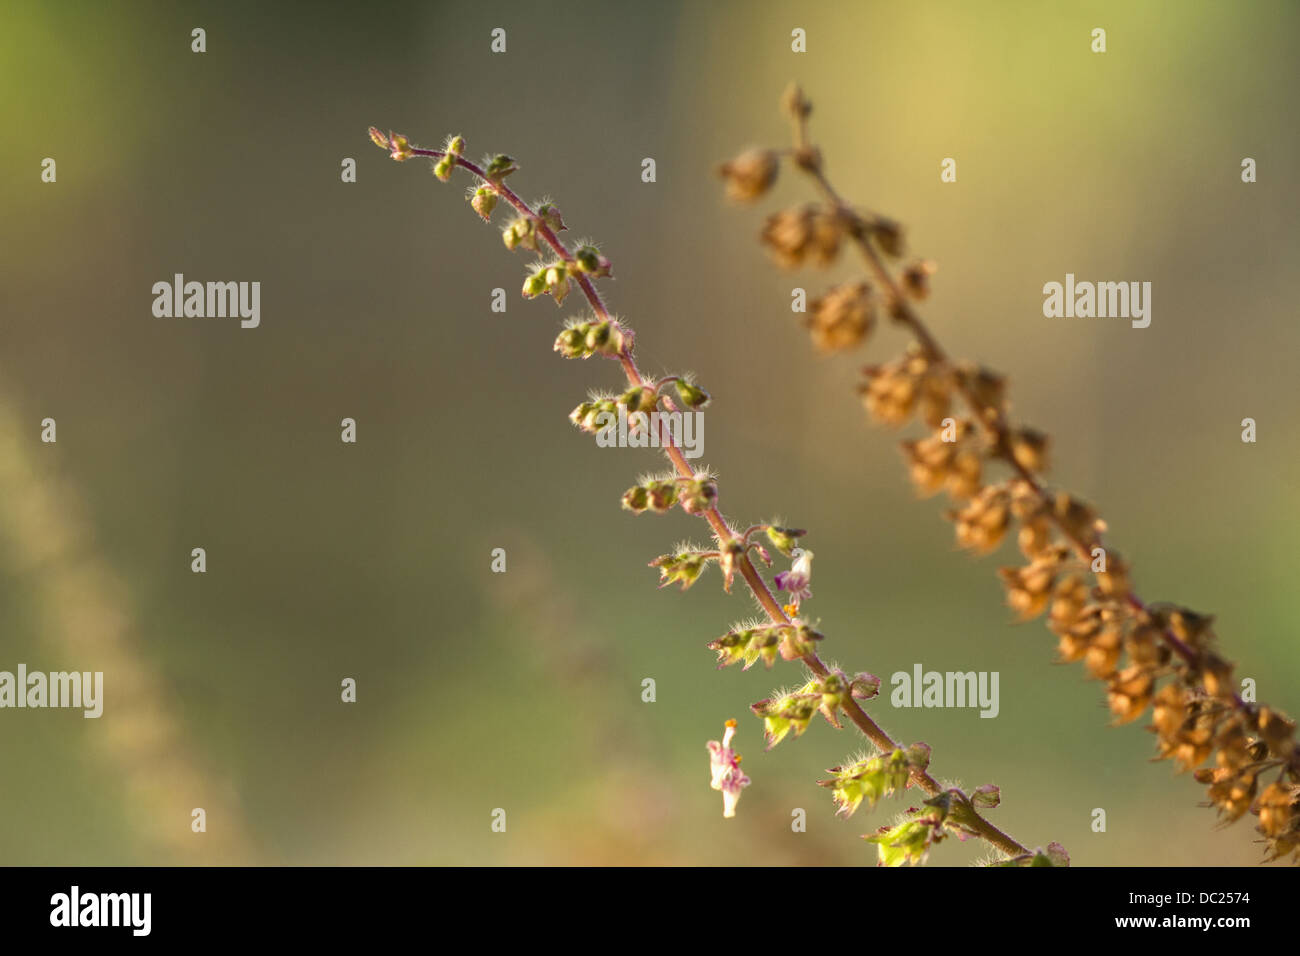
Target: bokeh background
522 690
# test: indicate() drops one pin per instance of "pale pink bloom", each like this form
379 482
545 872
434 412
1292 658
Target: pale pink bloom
797 579
726 772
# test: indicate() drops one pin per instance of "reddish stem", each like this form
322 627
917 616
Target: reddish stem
722 531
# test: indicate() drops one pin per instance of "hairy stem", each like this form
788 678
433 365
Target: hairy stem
722 531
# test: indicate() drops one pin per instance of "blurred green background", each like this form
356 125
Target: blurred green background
522 690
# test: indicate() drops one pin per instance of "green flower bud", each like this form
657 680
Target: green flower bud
550 214
763 647
484 201
614 344
865 686
918 756
986 797
587 415
557 282
692 396
639 398
500 167
906 843
456 145
534 285
698 494
521 232
399 148
597 336
604 410
798 641
942 804
605 337
590 261
784 714
731 554
1054 855
775 727
870 779
527 230
637 499
784 539
572 342
849 793
732 647
663 494
833 690
898 769
443 167
579 415
749 645
684 568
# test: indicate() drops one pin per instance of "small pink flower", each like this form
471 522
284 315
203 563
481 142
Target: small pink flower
725 768
797 579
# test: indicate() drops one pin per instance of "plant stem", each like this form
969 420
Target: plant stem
997 426
721 529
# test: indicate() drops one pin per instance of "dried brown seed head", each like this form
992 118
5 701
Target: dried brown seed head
843 317
751 174
1029 448
916 279
794 103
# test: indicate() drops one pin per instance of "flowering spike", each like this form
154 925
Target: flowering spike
808 233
